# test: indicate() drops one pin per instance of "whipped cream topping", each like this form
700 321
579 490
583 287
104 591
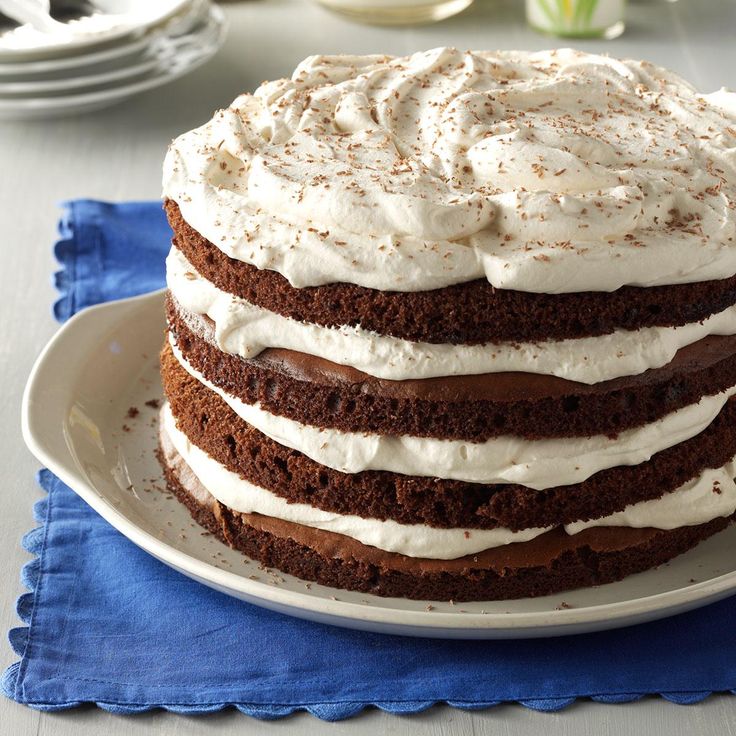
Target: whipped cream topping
537 464
551 172
707 497
244 329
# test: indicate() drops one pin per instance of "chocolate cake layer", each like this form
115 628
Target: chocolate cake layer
470 313
210 424
314 391
548 564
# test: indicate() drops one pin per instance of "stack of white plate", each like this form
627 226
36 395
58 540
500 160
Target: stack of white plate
94 53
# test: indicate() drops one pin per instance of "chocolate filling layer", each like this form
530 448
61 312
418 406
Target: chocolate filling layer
210 424
547 564
314 391
474 312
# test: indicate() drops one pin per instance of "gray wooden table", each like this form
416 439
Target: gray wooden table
117 154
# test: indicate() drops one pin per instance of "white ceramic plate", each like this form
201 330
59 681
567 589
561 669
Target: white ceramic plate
75 421
85 81
128 17
24 69
183 55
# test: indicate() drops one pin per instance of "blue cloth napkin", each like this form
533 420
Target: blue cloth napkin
108 251
106 623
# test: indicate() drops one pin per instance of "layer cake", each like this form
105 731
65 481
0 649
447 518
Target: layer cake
455 326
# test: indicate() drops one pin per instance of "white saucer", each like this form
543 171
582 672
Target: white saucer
126 47
86 81
75 421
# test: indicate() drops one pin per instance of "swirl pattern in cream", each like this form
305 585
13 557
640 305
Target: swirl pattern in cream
544 172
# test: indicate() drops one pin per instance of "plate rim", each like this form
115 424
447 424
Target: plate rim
125 48
374 617
44 86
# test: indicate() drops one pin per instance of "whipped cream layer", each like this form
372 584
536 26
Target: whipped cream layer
711 495
537 464
244 329
549 172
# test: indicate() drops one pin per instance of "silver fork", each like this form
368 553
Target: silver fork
45 15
